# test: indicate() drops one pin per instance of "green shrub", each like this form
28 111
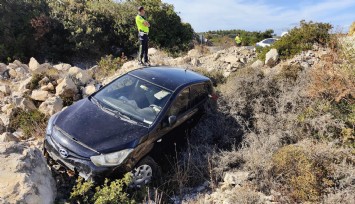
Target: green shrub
34 82
109 193
107 66
301 38
32 123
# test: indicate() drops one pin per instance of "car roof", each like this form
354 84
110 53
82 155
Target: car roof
169 77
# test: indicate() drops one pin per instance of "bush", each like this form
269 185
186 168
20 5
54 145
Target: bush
300 39
107 66
216 76
352 29
114 192
32 123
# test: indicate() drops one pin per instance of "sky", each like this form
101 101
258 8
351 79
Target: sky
259 15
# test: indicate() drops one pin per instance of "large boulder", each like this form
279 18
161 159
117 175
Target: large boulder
51 106
39 95
24 175
271 57
81 75
66 88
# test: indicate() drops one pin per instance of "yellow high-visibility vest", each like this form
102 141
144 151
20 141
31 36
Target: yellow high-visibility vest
141 27
238 39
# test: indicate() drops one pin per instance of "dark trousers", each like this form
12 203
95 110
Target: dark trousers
143 48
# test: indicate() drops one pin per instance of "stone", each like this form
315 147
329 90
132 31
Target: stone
80 75
271 57
20 71
43 81
3 68
89 89
235 178
5 119
231 59
2 127
243 60
39 95
12 73
33 65
51 106
62 67
195 62
152 51
5 89
257 64
24 103
18 63
66 88
8 137
24 175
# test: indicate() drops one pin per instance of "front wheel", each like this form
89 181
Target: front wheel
145 171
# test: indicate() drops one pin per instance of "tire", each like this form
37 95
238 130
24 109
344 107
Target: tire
146 171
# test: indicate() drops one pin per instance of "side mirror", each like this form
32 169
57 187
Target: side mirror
98 87
172 120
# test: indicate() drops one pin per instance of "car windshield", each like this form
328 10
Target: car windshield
133 98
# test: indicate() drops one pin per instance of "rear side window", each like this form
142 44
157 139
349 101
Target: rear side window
181 103
199 92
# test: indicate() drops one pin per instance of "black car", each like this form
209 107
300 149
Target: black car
113 130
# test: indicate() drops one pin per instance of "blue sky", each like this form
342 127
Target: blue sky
259 15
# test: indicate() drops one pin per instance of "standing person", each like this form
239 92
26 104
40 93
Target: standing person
238 40
143 30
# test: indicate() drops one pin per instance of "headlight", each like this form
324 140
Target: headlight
112 159
50 124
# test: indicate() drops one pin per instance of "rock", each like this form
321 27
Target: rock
39 95
24 175
235 178
195 62
88 90
231 59
243 60
226 73
51 106
66 88
62 67
5 119
24 103
6 108
34 65
8 137
43 81
271 57
152 51
80 75
18 63
19 134
3 68
257 64
12 73
194 53
20 71
2 127
5 89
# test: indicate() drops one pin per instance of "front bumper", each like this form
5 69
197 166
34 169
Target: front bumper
83 166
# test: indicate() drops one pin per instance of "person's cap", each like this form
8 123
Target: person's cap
140 8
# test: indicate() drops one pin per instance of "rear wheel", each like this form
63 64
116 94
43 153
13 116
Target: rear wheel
145 171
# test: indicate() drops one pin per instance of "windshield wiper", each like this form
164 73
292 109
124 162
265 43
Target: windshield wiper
96 102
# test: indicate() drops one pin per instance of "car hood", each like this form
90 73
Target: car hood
97 129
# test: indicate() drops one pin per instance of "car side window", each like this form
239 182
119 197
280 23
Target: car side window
199 92
181 103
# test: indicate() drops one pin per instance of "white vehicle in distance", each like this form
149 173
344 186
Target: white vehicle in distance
266 42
